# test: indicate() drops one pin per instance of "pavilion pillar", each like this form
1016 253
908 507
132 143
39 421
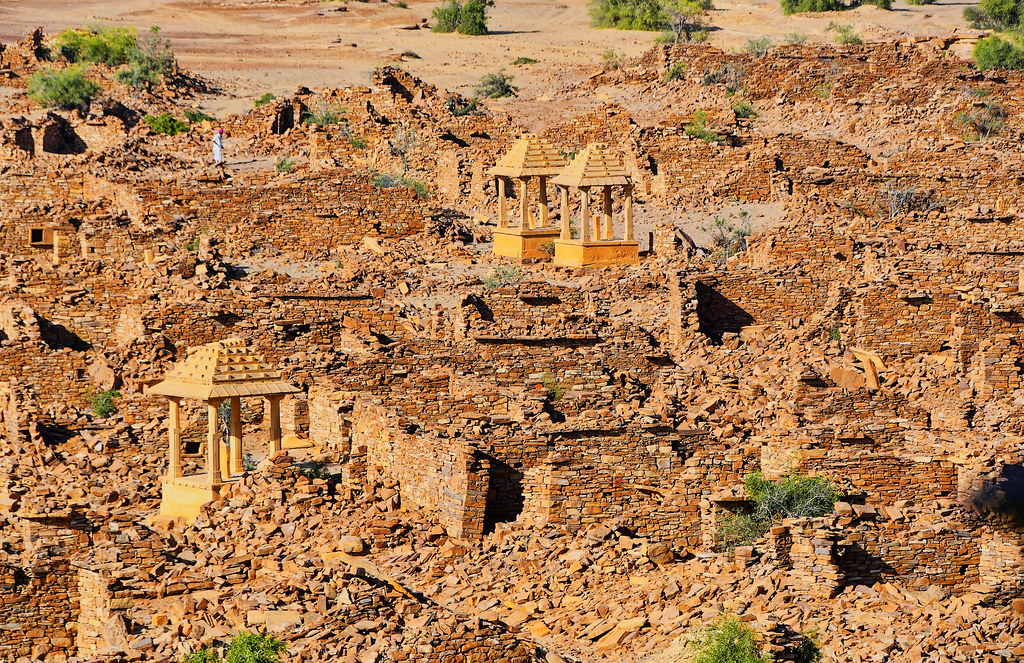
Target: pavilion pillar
56 247
524 205
275 424
566 221
235 438
543 201
174 437
606 210
213 473
502 203
585 213
628 205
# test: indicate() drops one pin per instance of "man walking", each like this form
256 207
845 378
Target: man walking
218 146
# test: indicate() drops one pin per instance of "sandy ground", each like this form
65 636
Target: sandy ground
251 47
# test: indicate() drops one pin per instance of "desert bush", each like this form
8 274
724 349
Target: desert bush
844 33
898 200
808 651
284 165
822 91
402 4
165 123
804 6
195 117
458 109
684 21
743 108
503 276
446 17
994 52
697 127
921 2
675 72
150 61
523 60
729 75
102 403
263 100
554 387
627 14
983 121
796 38
727 237
324 115
412 55
106 45
995 14
385 181
758 47
67 89
727 640
493 86
244 648
466 19
740 529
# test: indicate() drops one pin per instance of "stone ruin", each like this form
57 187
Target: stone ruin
456 469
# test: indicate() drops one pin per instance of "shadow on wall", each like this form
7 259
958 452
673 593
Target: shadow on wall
60 138
504 494
860 567
718 314
1003 496
58 337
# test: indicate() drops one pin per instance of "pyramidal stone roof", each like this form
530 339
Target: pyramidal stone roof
597 165
528 156
221 370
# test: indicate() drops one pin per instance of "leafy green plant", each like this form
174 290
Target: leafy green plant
984 121
610 60
385 181
727 238
809 650
412 55
103 403
324 115
245 647
312 470
100 44
523 60
554 387
739 529
503 276
150 61
193 244
402 4
994 52
458 108
263 100
357 142
493 86
921 2
466 19
446 16
995 14
204 655
743 108
548 247
758 47
697 127
844 33
729 75
804 6
676 71
649 15
284 165
727 640
165 123
684 21
796 38
822 91
67 89
834 334
195 117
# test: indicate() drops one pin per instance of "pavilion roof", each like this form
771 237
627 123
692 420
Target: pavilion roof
597 165
222 370
530 156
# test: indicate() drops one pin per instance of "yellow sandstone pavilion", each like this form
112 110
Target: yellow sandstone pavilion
596 167
529 158
213 373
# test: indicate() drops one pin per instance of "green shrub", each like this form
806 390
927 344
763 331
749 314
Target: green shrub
324 115
503 276
204 655
994 52
697 127
995 14
473 18
244 648
103 403
313 470
195 117
106 45
284 165
844 33
385 181
67 89
446 16
412 55
165 123
628 14
263 100
728 75
727 238
357 142
804 6
792 496
402 4
523 60
835 334
796 38
554 387
728 640
676 72
822 91
743 108
808 651
459 109
739 529
758 47
982 122
149 62
684 21
493 86
921 2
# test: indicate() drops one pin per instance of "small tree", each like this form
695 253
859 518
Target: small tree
728 238
446 16
149 62
727 640
68 88
684 21
995 14
994 52
165 123
628 14
106 45
473 18
497 85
